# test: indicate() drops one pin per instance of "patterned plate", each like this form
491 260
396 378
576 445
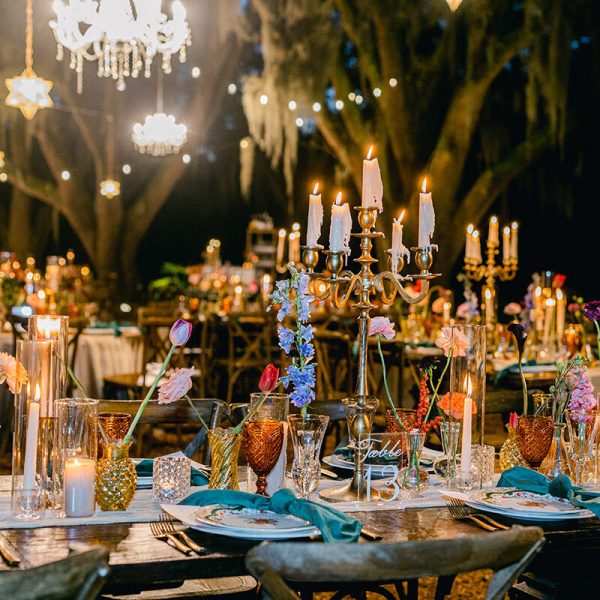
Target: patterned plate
240 517
512 499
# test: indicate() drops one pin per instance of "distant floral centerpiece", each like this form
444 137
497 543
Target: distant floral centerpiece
292 298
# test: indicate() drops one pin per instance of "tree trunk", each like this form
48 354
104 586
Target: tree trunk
19 225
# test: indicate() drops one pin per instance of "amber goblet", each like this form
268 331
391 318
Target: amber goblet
115 426
262 445
408 416
534 438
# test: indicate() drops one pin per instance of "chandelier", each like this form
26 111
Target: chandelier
123 36
454 4
28 92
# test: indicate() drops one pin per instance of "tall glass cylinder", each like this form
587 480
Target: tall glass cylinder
467 381
54 328
32 429
75 453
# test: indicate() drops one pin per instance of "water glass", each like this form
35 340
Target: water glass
274 407
171 478
482 465
307 433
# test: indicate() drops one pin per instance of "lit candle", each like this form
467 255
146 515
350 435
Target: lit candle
538 308
476 246
294 247
514 240
426 217
506 244
493 230
31 440
281 245
266 287
469 243
446 312
315 218
79 482
561 307
372 186
398 247
465 461
550 303
341 226
489 306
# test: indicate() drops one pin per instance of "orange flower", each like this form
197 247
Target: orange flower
455 407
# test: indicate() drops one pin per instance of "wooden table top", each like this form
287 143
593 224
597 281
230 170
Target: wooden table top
139 561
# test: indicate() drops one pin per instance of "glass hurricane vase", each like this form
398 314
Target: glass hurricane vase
115 477
557 459
445 465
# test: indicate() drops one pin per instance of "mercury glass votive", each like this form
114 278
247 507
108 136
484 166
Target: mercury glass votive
171 478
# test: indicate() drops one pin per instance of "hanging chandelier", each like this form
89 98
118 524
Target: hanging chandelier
123 36
159 135
28 92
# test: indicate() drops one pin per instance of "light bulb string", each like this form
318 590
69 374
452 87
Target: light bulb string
29 36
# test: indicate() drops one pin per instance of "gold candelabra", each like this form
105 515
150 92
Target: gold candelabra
491 271
343 285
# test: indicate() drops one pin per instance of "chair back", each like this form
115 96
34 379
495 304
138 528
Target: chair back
334 355
80 576
211 410
507 553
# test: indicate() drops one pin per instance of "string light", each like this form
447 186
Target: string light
110 188
339 104
352 96
3 177
65 175
196 72
264 99
231 89
292 105
393 82
126 169
377 92
186 158
316 107
299 121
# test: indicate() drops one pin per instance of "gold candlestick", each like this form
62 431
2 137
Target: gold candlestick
342 285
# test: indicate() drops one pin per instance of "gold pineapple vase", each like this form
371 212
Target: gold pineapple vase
510 455
115 477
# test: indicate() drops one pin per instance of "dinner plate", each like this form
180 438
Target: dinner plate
515 500
530 515
186 514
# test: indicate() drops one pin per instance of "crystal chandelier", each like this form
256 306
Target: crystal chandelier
159 135
122 35
28 92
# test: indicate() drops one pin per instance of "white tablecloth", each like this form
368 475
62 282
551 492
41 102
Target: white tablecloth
100 353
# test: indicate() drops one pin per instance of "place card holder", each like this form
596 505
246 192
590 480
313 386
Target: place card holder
32 430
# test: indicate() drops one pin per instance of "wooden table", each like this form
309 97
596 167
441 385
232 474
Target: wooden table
138 561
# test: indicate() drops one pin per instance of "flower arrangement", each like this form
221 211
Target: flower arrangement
452 404
293 299
12 372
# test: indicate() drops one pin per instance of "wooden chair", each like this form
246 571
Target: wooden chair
80 576
352 567
212 411
334 355
336 411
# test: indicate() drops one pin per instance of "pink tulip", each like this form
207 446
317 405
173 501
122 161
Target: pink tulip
176 387
382 326
180 332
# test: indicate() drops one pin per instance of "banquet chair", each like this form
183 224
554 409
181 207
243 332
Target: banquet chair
80 576
350 568
334 355
211 410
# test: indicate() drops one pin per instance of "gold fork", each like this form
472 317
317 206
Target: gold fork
170 539
461 515
167 526
467 510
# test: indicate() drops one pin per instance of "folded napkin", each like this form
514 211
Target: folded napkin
560 487
144 469
345 452
333 525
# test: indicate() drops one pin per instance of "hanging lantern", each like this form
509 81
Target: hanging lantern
28 92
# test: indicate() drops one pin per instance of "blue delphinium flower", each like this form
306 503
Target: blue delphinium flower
293 299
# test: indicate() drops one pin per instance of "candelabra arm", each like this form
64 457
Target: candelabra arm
398 288
340 301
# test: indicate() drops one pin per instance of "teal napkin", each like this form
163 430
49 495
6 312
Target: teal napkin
561 487
144 469
345 452
333 525
500 375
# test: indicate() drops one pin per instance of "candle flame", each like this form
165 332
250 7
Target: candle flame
338 198
266 278
296 227
447 305
316 189
468 385
550 302
559 294
38 394
488 294
369 153
48 327
424 186
470 228
538 291
506 231
282 233
515 225
401 216
494 219
476 234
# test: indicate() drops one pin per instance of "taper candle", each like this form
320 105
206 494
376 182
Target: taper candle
465 460
426 217
341 226
372 186
506 244
31 440
398 247
514 240
315 218
493 230
476 246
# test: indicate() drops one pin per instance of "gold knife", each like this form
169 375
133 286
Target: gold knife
12 558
